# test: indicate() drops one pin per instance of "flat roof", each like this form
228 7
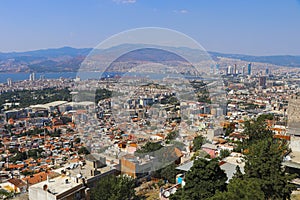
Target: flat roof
228 168
81 103
58 185
291 164
55 103
209 146
185 167
38 106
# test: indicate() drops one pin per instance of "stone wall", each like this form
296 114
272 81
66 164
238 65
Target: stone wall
293 112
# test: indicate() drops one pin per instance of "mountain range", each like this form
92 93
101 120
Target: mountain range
69 59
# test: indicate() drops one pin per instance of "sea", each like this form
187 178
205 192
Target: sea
52 75
25 76
83 75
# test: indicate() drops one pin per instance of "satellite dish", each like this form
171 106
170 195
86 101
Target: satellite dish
78 175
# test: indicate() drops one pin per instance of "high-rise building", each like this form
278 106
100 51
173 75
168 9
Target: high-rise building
267 71
249 69
243 70
9 82
32 76
229 70
262 81
234 70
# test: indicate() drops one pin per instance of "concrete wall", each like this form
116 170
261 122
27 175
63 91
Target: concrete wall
39 194
295 143
293 112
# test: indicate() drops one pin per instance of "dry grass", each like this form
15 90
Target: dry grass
295 195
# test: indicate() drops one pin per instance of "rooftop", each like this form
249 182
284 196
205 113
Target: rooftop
58 185
228 168
209 146
55 103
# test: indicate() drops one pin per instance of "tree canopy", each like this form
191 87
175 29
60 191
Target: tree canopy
256 130
241 189
198 142
228 130
114 188
264 155
264 176
83 150
149 147
202 181
264 162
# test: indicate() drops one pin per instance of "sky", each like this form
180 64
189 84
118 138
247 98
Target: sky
254 27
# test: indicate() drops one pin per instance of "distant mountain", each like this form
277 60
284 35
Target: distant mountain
281 60
45 60
69 59
47 53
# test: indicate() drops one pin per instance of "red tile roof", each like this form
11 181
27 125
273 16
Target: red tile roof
39 177
17 182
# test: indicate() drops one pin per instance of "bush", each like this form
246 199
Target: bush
224 153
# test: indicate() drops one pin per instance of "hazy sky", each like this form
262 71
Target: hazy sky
257 27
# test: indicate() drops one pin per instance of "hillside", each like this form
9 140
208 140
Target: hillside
68 59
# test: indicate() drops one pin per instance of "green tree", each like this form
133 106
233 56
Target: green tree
150 147
264 155
32 97
19 156
264 162
202 181
172 135
35 153
77 140
241 189
5 194
198 142
257 130
238 173
224 153
83 150
114 188
229 129
200 154
169 173
264 117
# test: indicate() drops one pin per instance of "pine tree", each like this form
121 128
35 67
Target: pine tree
241 189
114 188
264 162
202 181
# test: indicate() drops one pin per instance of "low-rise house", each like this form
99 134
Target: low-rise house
136 167
39 177
73 184
211 149
228 167
140 165
14 185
